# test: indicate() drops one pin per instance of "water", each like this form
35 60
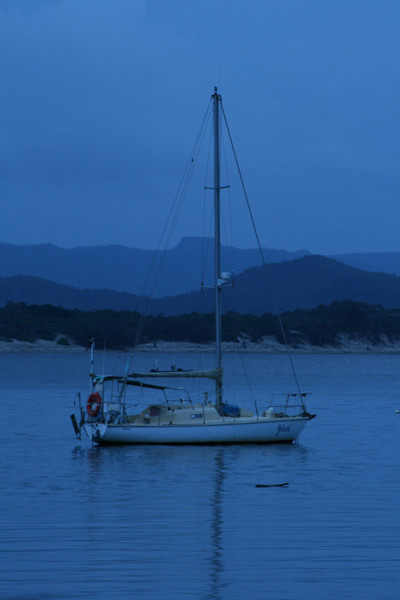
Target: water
82 522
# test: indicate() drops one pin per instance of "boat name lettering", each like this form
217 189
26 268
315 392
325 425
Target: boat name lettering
198 416
284 428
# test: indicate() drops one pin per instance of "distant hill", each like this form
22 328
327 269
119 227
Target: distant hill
125 269
378 262
297 284
36 290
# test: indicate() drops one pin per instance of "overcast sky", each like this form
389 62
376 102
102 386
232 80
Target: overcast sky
101 101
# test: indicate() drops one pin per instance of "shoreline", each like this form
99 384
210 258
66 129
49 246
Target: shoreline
267 346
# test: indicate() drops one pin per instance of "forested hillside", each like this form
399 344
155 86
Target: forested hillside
303 283
320 326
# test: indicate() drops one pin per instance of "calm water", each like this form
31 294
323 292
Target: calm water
82 522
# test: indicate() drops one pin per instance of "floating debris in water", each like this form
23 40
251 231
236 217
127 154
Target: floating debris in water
262 485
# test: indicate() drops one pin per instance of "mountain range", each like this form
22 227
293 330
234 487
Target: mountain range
301 283
126 269
184 269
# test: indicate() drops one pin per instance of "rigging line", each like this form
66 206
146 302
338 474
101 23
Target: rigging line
204 248
210 228
225 305
117 358
249 384
187 167
145 315
229 241
188 178
205 251
261 253
180 195
209 236
241 354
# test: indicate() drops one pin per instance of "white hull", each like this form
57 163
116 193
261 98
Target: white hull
252 431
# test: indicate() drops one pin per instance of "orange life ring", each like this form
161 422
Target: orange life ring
93 404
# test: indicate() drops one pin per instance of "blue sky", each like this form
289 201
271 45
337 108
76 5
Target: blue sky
101 101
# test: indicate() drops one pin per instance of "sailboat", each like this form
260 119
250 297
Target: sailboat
110 415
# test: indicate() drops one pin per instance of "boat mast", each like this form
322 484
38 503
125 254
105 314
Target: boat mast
217 241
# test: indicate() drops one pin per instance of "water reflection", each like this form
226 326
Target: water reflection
165 506
216 563
82 522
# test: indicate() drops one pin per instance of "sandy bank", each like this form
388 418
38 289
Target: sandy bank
38 346
267 346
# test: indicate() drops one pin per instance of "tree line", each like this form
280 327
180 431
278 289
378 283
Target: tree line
119 329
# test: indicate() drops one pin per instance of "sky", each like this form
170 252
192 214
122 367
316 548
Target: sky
101 101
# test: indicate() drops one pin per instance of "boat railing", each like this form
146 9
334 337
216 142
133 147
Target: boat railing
287 403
